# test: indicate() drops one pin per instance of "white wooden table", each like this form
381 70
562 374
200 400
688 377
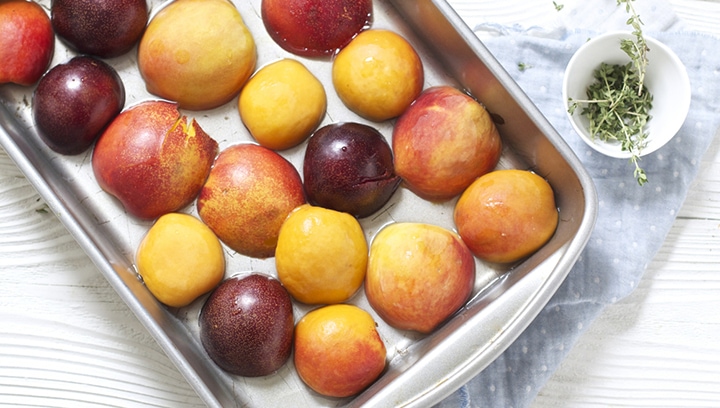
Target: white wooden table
67 340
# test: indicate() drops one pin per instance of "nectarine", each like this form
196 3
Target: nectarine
443 142
418 275
247 196
338 351
27 42
506 215
153 159
198 53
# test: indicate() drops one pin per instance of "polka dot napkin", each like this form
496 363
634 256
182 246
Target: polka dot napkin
632 222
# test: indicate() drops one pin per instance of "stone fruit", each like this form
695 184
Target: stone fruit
349 167
443 142
314 28
378 74
247 196
27 42
153 159
321 255
180 259
75 101
198 53
338 351
418 275
506 215
246 325
282 104
104 28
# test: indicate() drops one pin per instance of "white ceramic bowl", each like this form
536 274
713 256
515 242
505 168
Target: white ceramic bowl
665 77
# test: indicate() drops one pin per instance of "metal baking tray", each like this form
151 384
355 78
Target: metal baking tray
421 369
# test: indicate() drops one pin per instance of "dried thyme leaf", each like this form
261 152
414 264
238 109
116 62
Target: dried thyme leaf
523 66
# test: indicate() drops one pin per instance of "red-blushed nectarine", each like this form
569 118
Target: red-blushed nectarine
247 196
338 350
314 28
27 42
418 275
153 159
443 142
506 215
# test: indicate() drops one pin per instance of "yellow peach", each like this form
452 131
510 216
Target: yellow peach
198 53
506 215
180 259
338 351
378 74
282 104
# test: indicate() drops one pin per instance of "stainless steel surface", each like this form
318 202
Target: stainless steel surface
421 370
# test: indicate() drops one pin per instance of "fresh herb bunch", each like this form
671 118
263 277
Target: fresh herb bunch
618 104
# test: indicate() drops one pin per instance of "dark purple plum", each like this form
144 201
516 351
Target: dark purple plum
75 101
247 324
349 167
104 28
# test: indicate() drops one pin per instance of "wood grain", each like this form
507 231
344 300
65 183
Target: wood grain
659 346
67 340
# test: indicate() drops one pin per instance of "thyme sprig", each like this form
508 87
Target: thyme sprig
618 104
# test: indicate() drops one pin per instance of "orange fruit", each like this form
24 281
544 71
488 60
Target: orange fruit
418 275
180 259
506 215
198 53
378 74
321 255
282 104
338 351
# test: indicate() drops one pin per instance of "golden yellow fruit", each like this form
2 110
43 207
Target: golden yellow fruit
282 104
338 351
198 53
378 74
321 255
180 259
506 215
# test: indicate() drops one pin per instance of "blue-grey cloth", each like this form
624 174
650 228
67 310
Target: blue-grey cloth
632 222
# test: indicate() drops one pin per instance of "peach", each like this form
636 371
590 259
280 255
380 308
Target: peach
198 53
248 195
338 351
378 74
153 159
321 255
444 141
506 215
27 42
180 259
418 275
